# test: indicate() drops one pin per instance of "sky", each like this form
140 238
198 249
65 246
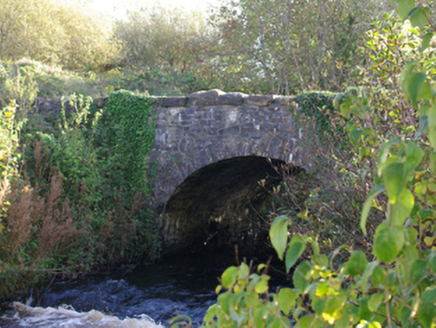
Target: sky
117 8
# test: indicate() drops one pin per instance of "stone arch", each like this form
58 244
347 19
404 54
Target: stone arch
207 210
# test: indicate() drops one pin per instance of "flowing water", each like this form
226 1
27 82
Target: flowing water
146 296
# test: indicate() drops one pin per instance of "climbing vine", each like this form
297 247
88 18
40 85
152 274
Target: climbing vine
126 136
317 108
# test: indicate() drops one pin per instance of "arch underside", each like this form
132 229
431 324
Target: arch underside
208 210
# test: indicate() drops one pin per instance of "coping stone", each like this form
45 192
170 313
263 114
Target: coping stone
232 98
205 98
260 100
173 101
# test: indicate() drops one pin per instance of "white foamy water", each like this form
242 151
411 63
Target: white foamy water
67 317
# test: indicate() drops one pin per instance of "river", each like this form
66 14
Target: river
144 296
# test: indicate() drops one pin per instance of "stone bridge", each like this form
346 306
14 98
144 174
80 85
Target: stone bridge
217 154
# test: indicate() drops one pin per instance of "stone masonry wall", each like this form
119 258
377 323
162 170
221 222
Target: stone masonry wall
211 150
209 126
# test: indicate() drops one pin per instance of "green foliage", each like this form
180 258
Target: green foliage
9 155
84 202
285 47
127 139
54 33
159 37
396 287
317 107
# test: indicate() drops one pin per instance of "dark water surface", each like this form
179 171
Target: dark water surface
181 285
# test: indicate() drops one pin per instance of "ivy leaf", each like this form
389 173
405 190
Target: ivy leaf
388 242
279 234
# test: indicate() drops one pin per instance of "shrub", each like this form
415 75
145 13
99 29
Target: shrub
394 285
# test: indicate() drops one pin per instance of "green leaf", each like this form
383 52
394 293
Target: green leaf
404 76
426 91
384 152
364 312
414 84
244 271
418 17
210 314
296 248
377 189
367 273
333 307
355 136
305 322
299 277
356 263
286 298
279 234
393 178
429 295
426 38
423 124
414 156
402 208
426 314
388 242
405 7
375 301
262 286
431 113
229 276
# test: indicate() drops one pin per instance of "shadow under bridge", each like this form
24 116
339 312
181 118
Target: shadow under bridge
216 206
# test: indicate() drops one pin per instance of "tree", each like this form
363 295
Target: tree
284 46
161 37
53 33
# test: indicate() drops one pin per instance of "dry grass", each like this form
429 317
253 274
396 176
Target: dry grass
57 221
46 219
